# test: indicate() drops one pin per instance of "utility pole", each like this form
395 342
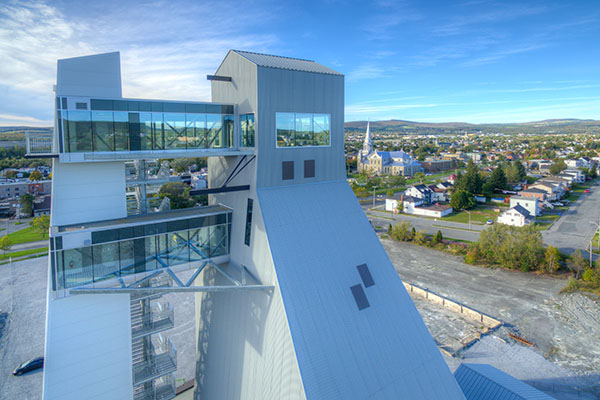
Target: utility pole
591 250
374 187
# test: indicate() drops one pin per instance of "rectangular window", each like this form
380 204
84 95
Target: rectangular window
247 130
365 275
309 168
79 131
295 129
248 223
359 297
287 170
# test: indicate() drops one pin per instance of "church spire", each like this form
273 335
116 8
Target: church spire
367 144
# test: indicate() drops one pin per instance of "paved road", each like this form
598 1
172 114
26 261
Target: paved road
449 229
574 229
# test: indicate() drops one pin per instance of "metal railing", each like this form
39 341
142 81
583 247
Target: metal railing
39 143
160 318
162 389
161 361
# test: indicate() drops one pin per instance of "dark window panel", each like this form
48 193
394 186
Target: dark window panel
120 105
133 106
213 109
177 225
134 132
196 222
360 297
125 233
81 106
145 106
139 231
248 230
157 106
365 275
104 236
174 107
64 103
287 170
58 103
227 109
309 168
101 105
195 108
59 243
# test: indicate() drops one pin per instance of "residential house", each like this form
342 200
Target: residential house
579 176
515 216
420 192
553 191
441 191
534 192
531 204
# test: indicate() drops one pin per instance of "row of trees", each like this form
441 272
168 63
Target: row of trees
467 185
404 232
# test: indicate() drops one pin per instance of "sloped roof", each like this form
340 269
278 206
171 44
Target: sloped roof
521 210
483 382
294 64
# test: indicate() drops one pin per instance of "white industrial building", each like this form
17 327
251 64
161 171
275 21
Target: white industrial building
295 298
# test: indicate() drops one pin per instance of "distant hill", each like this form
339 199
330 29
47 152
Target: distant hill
549 126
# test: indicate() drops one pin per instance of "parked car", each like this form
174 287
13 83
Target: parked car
586 190
489 222
29 365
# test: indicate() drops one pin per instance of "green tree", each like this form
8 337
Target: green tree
36 176
462 200
558 167
497 180
390 193
512 247
41 224
551 259
420 237
26 202
178 193
593 173
473 181
402 231
400 206
5 243
578 263
420 176
438 238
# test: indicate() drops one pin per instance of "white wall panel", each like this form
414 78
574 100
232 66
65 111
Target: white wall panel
88 192
88 348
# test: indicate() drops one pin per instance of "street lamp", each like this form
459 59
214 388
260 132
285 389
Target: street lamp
468 212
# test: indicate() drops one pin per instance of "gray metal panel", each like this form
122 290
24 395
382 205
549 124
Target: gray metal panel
484 382
98 75
295 64
299 92
317 235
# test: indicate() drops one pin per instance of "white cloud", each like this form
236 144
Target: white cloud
167 48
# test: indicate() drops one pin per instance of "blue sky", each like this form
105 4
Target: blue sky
472 61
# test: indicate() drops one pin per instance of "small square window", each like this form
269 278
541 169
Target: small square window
309 168
287 170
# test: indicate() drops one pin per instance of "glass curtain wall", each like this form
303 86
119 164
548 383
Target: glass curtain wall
98 131
81 266
295 129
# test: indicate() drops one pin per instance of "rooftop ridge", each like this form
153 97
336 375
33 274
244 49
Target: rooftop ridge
273 55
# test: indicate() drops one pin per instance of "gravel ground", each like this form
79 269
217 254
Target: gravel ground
564 327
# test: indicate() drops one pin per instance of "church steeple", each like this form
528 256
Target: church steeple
367 144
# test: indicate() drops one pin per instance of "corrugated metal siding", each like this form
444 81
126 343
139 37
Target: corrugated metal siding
318 235
294 64
484 382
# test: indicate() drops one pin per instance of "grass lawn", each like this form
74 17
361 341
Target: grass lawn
573 196
541 227
26 235
547 217
479 215
21 253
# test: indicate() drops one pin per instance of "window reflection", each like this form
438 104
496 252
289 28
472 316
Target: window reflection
100 131
302 129
76 267
247 130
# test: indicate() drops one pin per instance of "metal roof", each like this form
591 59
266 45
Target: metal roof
294 64
345 349
484 382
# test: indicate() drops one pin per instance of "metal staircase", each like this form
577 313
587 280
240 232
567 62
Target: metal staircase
154 358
